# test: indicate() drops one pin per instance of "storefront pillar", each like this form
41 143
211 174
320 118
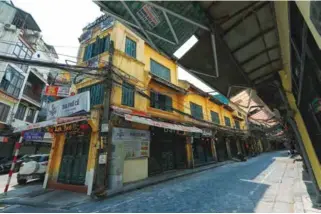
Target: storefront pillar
228 148
238 145
189 152
214 150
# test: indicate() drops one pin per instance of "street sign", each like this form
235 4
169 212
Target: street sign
57 91
31 136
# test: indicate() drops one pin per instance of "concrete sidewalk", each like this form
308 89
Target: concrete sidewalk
63 200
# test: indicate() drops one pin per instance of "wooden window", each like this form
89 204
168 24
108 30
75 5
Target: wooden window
227 121
196 110
237 124
128 95
161 101
160 70
130 47
215 117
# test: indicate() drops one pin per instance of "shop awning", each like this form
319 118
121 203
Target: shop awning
53 122
160 124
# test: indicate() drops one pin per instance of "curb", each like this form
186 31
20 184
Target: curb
111 193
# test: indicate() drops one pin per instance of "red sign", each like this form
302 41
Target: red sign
57 91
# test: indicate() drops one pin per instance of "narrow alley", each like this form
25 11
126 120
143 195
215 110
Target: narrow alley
271 182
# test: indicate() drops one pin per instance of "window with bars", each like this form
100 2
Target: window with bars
130 47
237 124
12 82
4 112
215 117
160 70
128 95
227 121
23 52
100 46
20 114
160 101
196 110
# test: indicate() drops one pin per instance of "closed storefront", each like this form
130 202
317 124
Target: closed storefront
221 148
202 150
167 150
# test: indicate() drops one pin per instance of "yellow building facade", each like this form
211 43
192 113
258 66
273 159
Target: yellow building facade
148 103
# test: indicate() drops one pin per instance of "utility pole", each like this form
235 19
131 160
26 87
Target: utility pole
106 130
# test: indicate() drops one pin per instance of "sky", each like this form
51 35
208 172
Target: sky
62 21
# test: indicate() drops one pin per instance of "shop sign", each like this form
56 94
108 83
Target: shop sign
31 136
35 126
207 132
68 106
135 143
159 124
70 128
57 91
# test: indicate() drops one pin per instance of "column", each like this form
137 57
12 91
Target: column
228 148
214 154
189 152
238 145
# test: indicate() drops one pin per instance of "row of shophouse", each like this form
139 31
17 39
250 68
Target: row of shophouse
21 85
157 122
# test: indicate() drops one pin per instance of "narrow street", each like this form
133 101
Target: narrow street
271 182
263 184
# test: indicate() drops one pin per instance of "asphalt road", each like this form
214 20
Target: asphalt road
251 186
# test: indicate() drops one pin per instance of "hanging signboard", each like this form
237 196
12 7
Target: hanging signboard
31 136
57 91
207 132
135 142
70 128
68 106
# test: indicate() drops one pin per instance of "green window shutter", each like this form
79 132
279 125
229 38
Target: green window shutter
160 70
130 47
107 43
128 95
215 117
168 104
152 99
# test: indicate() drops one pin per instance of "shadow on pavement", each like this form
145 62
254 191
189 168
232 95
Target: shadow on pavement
230 188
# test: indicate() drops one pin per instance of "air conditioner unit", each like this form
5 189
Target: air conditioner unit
10 27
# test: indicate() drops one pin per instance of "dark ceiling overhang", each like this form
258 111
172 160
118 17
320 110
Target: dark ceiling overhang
238 45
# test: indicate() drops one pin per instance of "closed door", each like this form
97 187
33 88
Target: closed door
74 160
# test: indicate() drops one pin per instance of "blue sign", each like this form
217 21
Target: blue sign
31 136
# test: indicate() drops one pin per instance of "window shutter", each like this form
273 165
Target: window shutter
107 42
152 99
168 104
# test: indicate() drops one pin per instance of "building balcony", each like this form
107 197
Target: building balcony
30 95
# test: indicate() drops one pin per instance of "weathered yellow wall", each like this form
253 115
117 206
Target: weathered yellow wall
197 99
135 170
152 54
226 113
216 108
55 156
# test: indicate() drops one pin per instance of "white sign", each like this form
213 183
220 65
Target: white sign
135 143
68 106
207 132
102 159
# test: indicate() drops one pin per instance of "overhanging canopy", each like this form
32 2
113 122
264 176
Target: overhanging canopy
242 38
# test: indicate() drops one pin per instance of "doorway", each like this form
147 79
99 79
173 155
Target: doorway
73 165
